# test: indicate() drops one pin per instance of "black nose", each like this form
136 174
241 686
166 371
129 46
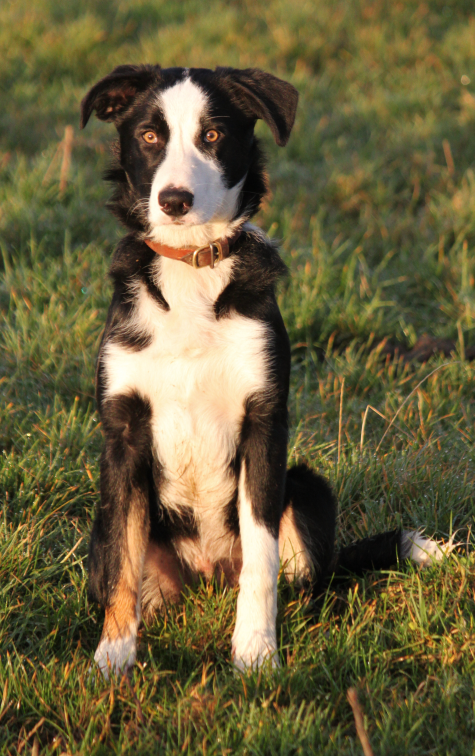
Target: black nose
174 201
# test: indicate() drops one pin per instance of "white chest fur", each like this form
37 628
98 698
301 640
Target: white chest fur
196 373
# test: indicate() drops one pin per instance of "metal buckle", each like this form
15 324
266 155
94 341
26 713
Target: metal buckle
211 246
195 256
220 252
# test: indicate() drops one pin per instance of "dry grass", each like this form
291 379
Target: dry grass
374 199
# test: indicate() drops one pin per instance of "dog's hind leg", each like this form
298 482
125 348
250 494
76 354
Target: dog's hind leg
120 533
164 578
307 532
307 526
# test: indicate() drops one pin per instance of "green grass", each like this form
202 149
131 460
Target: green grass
374 199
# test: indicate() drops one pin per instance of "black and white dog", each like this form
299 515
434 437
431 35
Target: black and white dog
193 370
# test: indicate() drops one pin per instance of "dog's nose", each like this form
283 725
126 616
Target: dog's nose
175 202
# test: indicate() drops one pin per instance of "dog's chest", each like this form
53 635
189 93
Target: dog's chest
196 373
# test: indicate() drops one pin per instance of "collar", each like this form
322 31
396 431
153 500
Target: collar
198 257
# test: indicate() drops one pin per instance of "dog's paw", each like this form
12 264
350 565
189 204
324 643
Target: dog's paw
116 656
253 650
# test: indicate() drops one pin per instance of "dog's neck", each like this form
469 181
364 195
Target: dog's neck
181 236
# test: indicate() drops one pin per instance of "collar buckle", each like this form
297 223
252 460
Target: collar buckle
212 254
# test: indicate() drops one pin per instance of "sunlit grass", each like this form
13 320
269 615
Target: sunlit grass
374 201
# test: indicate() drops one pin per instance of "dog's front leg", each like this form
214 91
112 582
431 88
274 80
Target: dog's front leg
261 492
120 534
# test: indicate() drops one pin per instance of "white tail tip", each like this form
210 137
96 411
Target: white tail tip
424 551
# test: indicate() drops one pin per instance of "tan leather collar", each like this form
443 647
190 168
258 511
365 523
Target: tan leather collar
198 257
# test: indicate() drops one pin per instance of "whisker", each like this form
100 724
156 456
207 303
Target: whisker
140 203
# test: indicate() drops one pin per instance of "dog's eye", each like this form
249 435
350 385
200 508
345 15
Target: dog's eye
212 136
150 137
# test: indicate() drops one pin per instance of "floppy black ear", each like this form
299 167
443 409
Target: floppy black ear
113 94
264 96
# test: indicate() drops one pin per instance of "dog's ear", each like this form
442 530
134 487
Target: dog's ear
113 94
264 96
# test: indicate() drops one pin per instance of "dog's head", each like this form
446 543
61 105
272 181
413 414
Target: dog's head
189 161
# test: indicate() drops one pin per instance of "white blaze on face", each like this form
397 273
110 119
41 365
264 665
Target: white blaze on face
187 167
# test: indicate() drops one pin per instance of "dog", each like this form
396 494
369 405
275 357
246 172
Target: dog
193 369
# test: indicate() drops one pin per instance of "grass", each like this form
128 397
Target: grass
374 199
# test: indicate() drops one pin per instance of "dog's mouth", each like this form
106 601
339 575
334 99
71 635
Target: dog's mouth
193 219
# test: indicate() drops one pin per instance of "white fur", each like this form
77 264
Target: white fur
117 655
187 167
424 551
196 373
254 639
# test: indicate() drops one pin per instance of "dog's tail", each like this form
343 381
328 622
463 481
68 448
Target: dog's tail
385 551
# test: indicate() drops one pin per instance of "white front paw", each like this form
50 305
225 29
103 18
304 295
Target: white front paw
116 656
253 650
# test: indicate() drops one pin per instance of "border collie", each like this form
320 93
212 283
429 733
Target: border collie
193 369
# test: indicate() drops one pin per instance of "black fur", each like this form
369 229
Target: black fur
237 99
379 552
132 477
125 483
315 510
111 96
263 96
263 440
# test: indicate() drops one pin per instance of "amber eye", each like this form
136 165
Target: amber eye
212 136
150 137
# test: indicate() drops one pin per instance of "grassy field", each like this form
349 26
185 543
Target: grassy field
374 199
